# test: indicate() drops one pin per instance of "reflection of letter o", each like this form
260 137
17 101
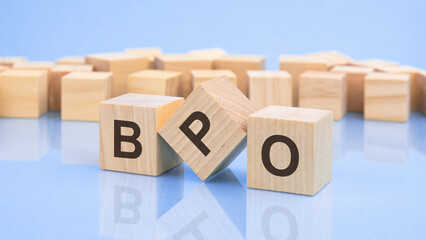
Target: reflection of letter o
266 158
266 218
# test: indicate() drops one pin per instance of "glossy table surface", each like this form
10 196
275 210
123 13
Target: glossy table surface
51 187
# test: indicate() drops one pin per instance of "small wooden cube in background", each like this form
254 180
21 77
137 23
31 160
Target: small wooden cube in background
280 158
128 134
209 53
355 76
183 63
156 82
150 53
10 61
332 58
373 63
387 97
270 88
71 60
209 130
23 93
121 65
200 76
81 94
323 90
3 68
296 65
56 74
239 64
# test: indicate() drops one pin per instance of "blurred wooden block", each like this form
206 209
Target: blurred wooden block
296 65
121 65
184 64
323 90
200 76
387 97
150 53
302 160
374 63
56 74
157 82
71 60
3 68
209 53
81 94
355 76
23 93
422 92
332 58
10 61
239 64
270 88
209 130
128 134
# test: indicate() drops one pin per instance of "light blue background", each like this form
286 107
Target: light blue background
47 30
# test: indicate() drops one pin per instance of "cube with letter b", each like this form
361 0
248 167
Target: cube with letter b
210 128
129 141
290 149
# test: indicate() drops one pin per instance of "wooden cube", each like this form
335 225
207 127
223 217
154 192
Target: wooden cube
387 97
71 60
23 93
10 61
332 58
3 68
200 76
296 65
239 64
184 64
81 94
355 85
209 53
56 74
323 90
374 63
422 92
156 82
150 53
128 134
270 88
121 65
302 161
209 130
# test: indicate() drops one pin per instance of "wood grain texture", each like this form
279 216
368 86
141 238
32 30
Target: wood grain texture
3 68
56 74
183 63
332 58
81 93
227 109
239 64
387 97
311 130
209 53
296 65
374 63
323 90
23 93
270 88
422 92
355 77
157 82
121 65
149 112
10 61
200 76
71 60
150 53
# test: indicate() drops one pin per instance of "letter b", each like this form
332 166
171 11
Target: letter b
119 138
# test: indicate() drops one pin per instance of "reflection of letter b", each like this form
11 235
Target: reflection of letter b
266 222
120 205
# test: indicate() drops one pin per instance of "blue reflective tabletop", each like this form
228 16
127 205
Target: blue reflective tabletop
51 187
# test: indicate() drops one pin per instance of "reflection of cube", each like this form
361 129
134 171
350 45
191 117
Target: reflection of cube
121 65
76 149
270 88
23 93
323 90
150 53
156 82
387 97
81 94
71 60
129 140
289 149
200 76
209 130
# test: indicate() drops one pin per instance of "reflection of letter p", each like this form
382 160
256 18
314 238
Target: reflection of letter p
191 227
120 205
196 138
